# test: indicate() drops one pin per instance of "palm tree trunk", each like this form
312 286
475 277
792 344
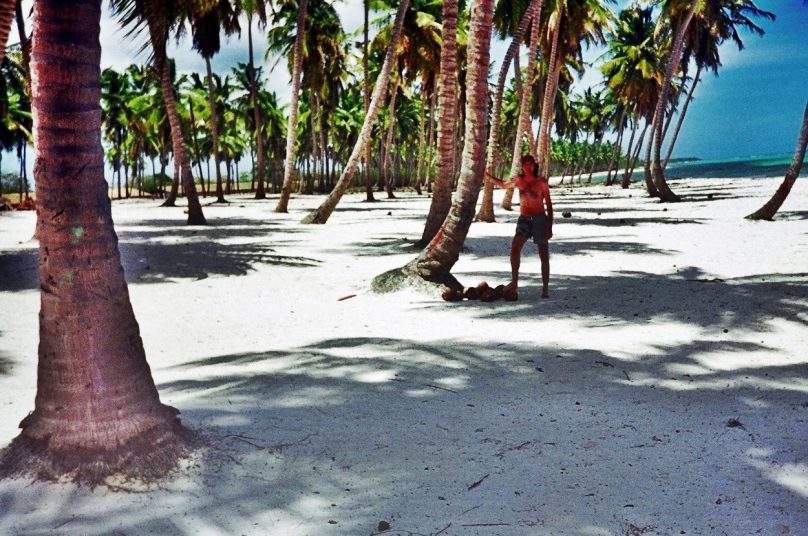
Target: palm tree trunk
195 137
366 95
195 215
97 412
631 165
291 132
323 212
616 149
681 118
486 212
214 132
767 211
260 188
553 72
419 164
436 260
447 102
665 193
389 178
650 186
7 11
524 107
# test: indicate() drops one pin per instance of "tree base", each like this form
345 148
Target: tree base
407 277
147 458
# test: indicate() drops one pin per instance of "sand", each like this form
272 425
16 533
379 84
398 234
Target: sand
662 389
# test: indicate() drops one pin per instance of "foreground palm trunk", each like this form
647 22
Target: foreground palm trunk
291 129
7 10
435 262
447 102
323 212
767 211
97 412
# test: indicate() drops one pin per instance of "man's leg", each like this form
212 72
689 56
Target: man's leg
544 255
516 259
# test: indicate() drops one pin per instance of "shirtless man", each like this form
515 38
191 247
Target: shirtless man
535 219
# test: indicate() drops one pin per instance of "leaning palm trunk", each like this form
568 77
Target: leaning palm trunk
665 193
435 262
7 11
195 216
97 412
486 212
681 117
214 133
447 95
767 211
553 72
522 123
291 129
323 212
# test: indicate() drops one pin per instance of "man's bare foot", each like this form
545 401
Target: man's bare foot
512 285
545 294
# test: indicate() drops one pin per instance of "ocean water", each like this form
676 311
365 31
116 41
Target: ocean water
749 167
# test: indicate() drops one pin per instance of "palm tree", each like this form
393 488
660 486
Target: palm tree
447 102
161 18
523 122
291 129
323 212
635 72
486 212
97 412
767 211
435 262
15 114
255 9
207 26
114 97
711 27
571 24
680 15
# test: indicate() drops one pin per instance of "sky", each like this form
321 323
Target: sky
754 107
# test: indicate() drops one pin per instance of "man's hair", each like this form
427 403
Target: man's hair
532 160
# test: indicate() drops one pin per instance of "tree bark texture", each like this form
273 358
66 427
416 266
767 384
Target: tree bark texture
447 103
437 259
7 11
97 412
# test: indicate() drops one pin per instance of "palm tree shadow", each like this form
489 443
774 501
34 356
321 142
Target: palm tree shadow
153 263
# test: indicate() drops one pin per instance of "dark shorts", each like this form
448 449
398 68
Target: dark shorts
535 228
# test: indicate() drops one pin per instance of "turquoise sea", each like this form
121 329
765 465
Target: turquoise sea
748 167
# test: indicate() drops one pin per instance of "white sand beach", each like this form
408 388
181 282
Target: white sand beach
661 390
